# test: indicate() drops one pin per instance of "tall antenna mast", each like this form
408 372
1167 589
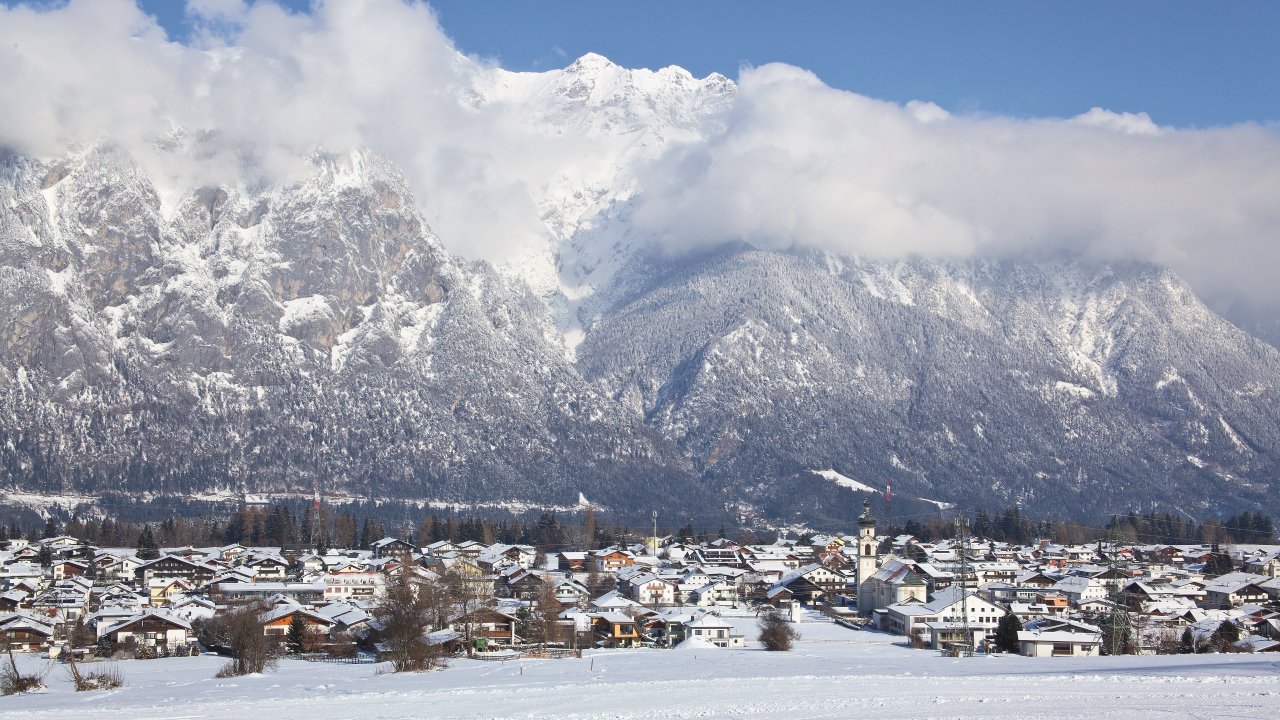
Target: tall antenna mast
655 535
315 517
888 501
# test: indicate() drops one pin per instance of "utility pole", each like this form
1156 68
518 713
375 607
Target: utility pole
966 631
1120 612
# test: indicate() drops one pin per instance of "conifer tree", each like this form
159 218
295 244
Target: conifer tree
1007 633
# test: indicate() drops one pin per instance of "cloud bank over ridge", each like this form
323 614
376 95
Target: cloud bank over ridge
792 162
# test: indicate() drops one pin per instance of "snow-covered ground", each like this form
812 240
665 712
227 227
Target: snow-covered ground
832 673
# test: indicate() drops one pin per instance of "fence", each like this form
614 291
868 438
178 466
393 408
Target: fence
532 654
322 658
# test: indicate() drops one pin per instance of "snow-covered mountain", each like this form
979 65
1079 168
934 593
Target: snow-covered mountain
217 340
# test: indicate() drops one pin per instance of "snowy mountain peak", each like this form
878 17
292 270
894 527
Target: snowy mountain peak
167 338
590 63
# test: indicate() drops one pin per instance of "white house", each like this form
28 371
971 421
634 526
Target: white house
347 586
946 606
1059 638
714 630
1081 589
649 589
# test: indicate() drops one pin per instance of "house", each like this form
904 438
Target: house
13 599
26 632
615 630
440 548
347 618
67 600
719 593
192 607
269 567
571 593
17 571
802 590
1267 564
952 605
348 586
152 628
830 580
490 626
525 584
469 549
447 642
571 561
649 589
231 553
161 590
238 593
612 559
721 552
711 628
1036 579
392 547
1081 589
1059 638
498 555
1234 590
64 569
276 621
108 616
173 567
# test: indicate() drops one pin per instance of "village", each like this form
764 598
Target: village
66 600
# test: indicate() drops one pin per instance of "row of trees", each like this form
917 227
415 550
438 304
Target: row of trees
283 525
292 525
1010 525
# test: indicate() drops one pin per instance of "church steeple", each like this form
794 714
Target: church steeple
868 562
866 520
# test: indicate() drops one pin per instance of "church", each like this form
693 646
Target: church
882 582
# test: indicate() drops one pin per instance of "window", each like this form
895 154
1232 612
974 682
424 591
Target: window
1062 649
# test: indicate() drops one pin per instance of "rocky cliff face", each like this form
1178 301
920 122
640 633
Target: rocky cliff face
318 334
1065 387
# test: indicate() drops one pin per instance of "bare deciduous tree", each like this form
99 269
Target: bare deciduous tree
12 680
405 615
244 634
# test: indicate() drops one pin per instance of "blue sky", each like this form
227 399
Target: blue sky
1184 63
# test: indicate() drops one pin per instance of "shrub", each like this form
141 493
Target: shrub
775 632
105 678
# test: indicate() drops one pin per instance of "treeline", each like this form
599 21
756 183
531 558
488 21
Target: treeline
286 526
280 525
1153 528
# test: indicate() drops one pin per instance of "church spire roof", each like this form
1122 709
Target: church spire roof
866 520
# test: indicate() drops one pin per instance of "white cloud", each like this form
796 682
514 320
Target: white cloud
802 164
793 162
1131 123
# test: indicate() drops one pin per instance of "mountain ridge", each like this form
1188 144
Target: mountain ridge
317 333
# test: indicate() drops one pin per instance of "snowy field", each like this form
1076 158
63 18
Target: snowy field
832 673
